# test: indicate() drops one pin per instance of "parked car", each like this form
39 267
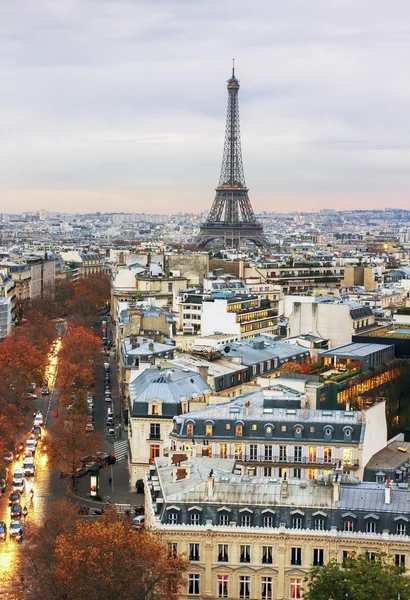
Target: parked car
9 456
138 522
29 395
109 409
33 385
16 530
3 530
104 459
109 421
3 485
89 428
108 399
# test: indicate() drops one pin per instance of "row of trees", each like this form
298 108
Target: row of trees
67 558
23 359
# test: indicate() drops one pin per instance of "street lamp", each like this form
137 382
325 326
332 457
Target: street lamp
94 480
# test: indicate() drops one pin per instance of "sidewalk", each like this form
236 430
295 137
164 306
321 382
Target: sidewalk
119 495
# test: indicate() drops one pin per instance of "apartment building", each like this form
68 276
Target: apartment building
271 433
258 537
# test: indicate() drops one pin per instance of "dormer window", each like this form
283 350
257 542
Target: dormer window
238 431
347 431
190 429
268 430
208 429
298 431
154 409
328 432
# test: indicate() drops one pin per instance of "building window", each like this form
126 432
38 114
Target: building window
372 556
296 556
223 519
244 586
227 426
267 471
222 552
222 590
297 454
245 554
239 431
154 409
283 453
154 452
173 518
266 589
312 474
283 428
312 454
193 584
347 556
173 548
347 456
208 429
238 451
400 560
371 527
268 452
190 429
401 529
327 455
267 555
297 473
268 521
195 518
194 552
223 449
295 589
348 526
297 523
282 472
245 520
155 431
318 557
319 524
253 452
254 427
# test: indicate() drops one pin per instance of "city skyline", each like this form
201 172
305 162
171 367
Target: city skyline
124 109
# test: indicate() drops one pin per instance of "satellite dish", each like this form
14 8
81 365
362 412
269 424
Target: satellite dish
227 349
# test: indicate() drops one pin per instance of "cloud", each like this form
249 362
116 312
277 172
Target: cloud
102 99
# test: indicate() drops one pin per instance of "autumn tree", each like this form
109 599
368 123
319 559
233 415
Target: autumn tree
291 367
71 443
359 579
107 559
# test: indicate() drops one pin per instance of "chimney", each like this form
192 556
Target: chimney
151 347
179 472
148 259
284 488
336 489
211 483
121 259
133 340
203 371
246 408
387 492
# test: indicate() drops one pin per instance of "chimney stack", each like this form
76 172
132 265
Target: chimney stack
203 371
246 408
387 492
336 489
151 347
211 483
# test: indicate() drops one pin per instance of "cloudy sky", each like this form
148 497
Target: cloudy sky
120 104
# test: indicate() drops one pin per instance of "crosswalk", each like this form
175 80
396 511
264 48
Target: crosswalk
121 449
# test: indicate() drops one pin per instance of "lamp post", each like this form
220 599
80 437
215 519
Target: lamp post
95 481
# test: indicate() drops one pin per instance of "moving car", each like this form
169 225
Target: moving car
38 419
15 511
109 421
16 530
108 399
30 447
33 385
45 391
14 497
9 456
18 486
29 395
28 466
138 522
37 431
3 530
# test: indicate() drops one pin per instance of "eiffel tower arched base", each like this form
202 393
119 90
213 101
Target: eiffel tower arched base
231 235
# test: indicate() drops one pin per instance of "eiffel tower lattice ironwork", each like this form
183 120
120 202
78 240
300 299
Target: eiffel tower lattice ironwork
231 218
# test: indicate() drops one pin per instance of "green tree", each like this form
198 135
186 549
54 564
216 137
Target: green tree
359 579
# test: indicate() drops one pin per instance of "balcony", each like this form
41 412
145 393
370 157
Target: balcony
290 461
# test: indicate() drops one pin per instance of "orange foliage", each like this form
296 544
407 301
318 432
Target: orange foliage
71 443
107 559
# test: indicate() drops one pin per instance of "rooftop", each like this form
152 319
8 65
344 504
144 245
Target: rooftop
355 350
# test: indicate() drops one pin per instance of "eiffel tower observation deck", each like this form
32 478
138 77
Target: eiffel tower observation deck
231 219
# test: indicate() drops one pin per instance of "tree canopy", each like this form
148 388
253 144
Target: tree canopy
360 578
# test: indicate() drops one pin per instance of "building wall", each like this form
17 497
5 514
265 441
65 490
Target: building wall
282 540
139 441
216 318
35 285
195 266
375 435
328 321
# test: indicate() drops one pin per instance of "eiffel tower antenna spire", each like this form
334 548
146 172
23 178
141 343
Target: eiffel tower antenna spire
231 216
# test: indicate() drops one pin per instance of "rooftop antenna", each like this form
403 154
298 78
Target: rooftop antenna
233 67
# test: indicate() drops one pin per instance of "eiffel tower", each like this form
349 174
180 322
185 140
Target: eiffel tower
231 218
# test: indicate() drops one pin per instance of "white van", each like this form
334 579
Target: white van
30 447
28 466
18 475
